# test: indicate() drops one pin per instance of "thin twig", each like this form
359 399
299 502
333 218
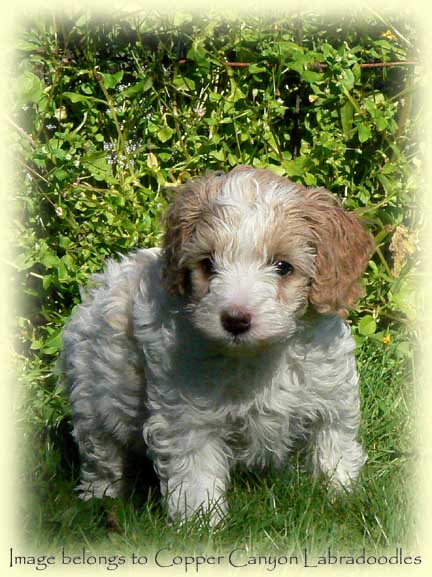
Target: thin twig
319 65
389 25
384 262
21 131
388 64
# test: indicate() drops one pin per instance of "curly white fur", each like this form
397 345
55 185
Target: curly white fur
227 361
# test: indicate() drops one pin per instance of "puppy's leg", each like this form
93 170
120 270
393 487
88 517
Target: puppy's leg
194 480
102 464
338 454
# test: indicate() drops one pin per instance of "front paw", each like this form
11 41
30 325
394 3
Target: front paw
339 456
209 516
204 503
341 480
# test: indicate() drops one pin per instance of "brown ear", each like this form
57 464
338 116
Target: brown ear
343 250
186 209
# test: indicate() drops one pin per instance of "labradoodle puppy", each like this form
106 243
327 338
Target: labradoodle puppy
225 345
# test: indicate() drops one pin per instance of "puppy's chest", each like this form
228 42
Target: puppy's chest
263 413
248 393
264 431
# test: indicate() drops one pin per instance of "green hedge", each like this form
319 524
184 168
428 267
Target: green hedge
112 113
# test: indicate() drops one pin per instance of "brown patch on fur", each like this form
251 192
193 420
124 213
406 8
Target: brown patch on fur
189 205
343 251
289 238
199 283
293 292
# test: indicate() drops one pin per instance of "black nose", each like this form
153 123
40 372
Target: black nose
236 322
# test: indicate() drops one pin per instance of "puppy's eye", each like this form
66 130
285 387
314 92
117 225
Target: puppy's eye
283 268
207 266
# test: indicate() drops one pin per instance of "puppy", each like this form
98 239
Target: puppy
225 346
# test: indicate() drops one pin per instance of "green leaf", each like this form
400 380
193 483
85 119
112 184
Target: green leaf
61 174
53 344
309 179
367 326
25 45
96 163
148 83
23 261
364 132
165 133
62 272
295 65
404 296
111 80
46 282
389 168
75 97
256 68
152 161
64 242
214 96
218 154
30 88
236 92
381 123
311 76
199 54
347 80
327 50
370 106
138 88
49 260
184 84
270 139
347 112
36 345
295 167
89 100
404 349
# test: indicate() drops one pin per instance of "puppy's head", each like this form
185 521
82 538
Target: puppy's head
250 251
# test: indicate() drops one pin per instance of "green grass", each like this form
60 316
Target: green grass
270 512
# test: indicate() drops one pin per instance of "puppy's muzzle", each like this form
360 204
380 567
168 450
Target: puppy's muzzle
236 322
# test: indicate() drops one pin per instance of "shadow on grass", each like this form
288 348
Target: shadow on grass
140 477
